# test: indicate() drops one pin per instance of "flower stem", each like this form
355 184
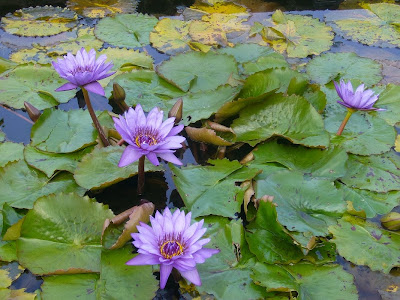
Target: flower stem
346 118
140 186
94 117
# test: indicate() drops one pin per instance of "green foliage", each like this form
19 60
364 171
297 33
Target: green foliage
10 152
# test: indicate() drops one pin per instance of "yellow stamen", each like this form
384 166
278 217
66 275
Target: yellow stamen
166 252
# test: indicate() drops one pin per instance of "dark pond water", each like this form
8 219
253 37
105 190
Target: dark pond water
16 125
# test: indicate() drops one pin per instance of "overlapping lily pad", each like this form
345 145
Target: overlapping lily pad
376 247
126 30
10 152
26 83
292 117
379 173
378 28
389 100
6 64
57 237
63 131
199 71
100 169
21 185
39 21
346 65
298 36
102 8
310 282
218 193
304 204
128 59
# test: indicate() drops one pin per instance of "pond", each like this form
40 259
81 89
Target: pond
293 205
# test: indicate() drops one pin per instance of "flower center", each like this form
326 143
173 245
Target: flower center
169 249
145 139
81 69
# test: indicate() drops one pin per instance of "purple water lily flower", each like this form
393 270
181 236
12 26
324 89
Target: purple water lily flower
148 136
358 100
83 70
173 243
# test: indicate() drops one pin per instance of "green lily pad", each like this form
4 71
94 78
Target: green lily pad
218 193
6 64
126 30
49 162
364 134
10 152
197 72
171 36
371 203
389 99
329 163
145 87
39 21
378 28
21 185
102 8
128 58
376 248
347 65
298 36
26 83
63 131
378 173
292 117
271 61
304 204
99 169
47 54
57 237
329 282
230 263
8 251
244 53
2 136
268 239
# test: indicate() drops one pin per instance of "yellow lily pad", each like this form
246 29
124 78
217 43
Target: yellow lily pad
221 8
102 8
39 21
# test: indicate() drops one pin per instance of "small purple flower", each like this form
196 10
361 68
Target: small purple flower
358 100
173 243
83 70
148 136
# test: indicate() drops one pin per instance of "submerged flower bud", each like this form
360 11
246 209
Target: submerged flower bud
172 242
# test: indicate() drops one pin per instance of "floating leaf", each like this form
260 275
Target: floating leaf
297 35
389 99
371 203
6 64
47 54
26 83
377 28
100 169
39 21
329 163
49 162
229 263
21 185
292 117
206 135
125 58
364 133
10 152
221 8
379 173
304 204
63 131
126 30
102 8
57 237
2 136
377 248
147 88
199 71
346 65
309 281
268 239
218 193
171 36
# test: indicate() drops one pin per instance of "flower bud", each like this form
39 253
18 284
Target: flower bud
32 111
391 221
119 95
176 111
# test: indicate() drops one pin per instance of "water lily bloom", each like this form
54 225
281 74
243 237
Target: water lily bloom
148 136
83 70
173 243
361 99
